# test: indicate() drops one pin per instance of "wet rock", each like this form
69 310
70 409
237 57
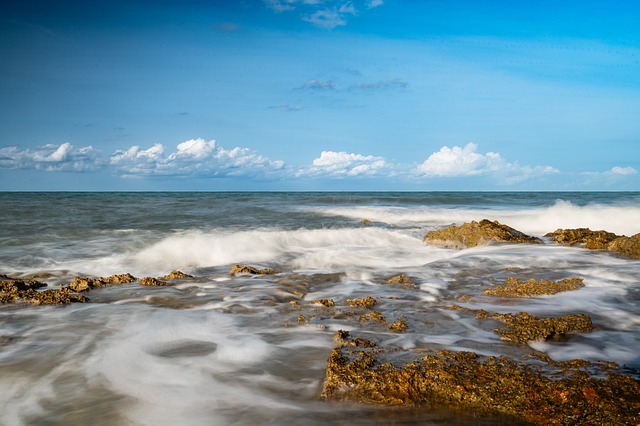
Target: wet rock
627 246
359 302
329 303
402 280
250 270
399 326
594 240
477 233
150 281
175 275
19 291
486 385
373 317
366 222
513 287
524 327
86 283
119 279
343 338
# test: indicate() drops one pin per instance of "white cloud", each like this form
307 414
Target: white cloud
327 14
64 157
341 164
195 157
622 171
457 162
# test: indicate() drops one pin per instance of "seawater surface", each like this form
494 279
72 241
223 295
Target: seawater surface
218 349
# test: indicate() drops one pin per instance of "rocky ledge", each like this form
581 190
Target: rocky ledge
598 240
477 233
537 391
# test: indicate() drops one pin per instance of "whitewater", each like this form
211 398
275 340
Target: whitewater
219 349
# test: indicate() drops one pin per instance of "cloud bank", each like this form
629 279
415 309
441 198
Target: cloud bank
193 158
199 158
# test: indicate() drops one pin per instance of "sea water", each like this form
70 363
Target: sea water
218 349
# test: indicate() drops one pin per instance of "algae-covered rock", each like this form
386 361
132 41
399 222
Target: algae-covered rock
524 327
594 240
175 275
360 302
150 281
119 279
19 291
513 287
250 270
329 303
86 283
403 280
583 393
627 246
399 326
477 233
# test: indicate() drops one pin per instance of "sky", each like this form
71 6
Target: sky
320 95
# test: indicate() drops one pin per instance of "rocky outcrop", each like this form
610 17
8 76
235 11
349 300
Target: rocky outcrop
403 280
595 240
524 327
361 302
175 275
513 287
87 283
539 392
626 246
250 270
477 233
598 240
19 291
150 281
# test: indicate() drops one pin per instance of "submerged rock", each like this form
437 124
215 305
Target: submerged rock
594 240
627 246
250 270
477 233
175 275
513 287
487 385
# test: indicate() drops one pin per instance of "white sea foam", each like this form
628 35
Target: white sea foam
620 219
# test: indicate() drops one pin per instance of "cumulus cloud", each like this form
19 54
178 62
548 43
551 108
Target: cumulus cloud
64 157
467 161
326 14
195 157
342 164
622 171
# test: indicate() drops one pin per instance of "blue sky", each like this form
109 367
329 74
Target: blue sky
320 95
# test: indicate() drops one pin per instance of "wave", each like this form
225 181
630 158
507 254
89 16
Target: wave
620 219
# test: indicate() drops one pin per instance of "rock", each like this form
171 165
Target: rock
19 291
594 240
366 222
403 280
477 233
119 279
627 246
250 270
399 326
86 283
582 393
150 281
175 275
524 327
329 303
360 302
513 287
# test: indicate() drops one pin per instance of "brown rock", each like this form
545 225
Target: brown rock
627 246
86 283
19 291
175 275
119 279
250 270
594 240
360 302
513 287
150 281
477 233
489 386
524 327
403 280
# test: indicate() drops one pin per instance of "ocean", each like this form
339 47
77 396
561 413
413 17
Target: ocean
217 349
